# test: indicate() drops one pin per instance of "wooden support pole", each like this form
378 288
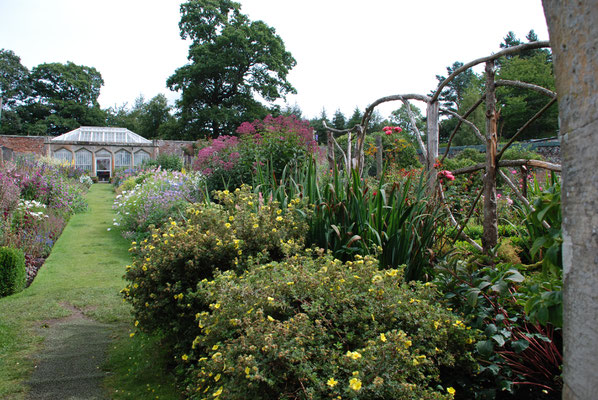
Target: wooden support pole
432 112
330 150
490 234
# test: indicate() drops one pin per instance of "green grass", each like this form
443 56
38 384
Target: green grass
85 270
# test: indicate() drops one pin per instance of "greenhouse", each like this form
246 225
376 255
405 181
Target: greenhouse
101 150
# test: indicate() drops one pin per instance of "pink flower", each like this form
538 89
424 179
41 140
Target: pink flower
509 201
398 129
498 196
447 174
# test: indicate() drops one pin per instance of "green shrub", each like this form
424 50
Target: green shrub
13 274
170 162
169 264
316 328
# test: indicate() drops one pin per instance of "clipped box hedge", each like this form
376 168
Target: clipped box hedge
13 274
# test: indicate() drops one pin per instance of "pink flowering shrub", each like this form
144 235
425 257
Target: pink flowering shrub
276 142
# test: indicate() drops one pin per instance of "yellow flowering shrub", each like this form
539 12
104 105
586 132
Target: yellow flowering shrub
312 327
233 233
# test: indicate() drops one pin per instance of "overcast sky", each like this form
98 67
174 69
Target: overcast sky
349 53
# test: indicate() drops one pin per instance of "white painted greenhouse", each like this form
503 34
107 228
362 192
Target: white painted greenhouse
102 150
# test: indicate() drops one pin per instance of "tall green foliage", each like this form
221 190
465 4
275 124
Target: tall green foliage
397 220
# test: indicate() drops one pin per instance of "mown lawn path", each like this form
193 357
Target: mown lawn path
55 333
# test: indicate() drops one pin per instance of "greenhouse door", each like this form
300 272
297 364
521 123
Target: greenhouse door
103 168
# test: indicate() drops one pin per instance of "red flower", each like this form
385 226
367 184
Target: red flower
398 129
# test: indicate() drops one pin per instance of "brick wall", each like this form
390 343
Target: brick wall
24 144
177 147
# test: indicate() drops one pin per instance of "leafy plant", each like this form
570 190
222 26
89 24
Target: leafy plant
314 327
13 274
169 264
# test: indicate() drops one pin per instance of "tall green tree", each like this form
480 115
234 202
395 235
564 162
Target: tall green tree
233 60
355 118
338 120
151 119
519 105
400 117
452 94
63 97
14 89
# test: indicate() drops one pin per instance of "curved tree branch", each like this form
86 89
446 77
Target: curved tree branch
368 111
505 52
525 85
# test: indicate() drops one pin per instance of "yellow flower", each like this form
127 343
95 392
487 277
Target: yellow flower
270 319
332 382
217 378
218 392
383 337
247 370
407 343
184 357
355 384
227 225
392 272
215 347
451 391
231 218
353 355
255 226
436 324
131 334
279 218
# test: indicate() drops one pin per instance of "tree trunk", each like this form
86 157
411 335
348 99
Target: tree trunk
573 28
432 139
490 235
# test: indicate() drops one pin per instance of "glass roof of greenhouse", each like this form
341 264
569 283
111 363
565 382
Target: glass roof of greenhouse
101 135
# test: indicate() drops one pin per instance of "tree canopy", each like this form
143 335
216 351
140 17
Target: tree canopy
51 99
232 60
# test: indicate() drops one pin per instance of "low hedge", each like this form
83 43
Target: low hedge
13 274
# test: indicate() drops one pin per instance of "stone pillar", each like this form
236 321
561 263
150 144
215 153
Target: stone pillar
573 28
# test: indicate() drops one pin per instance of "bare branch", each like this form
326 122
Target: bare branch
455 223
525 85
505 52
510 163
340 131
528 123
368 111
472 109
520 196
466 122
418 135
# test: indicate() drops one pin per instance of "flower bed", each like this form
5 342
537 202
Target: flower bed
37 197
